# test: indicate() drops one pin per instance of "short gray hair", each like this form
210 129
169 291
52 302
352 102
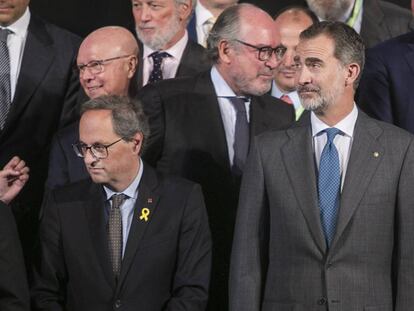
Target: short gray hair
226 27
349 46
128 116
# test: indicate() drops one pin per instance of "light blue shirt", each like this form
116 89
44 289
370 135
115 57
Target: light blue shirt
343 143
227 110
127 208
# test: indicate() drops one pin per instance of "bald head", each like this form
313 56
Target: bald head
110 55
288 26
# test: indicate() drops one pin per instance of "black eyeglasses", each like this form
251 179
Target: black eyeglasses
98 151
96 66
265 52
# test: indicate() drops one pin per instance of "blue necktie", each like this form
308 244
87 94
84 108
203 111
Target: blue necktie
329 185
156 73
241 135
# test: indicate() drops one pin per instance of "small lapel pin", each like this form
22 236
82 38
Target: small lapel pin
144 214
376 154
149 200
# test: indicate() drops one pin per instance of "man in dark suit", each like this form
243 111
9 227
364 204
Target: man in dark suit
166 50
106 62
42 99
14 293
375 20
129 238
385 92
201 126
325 220
204 17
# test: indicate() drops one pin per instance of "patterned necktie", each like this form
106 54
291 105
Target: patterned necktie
207 25
329 185
241 135
5 88
286 99
156 73
115 233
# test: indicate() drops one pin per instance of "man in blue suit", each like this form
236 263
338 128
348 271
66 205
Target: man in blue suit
385 91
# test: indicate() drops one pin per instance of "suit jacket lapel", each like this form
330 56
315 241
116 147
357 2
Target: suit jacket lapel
37 58
95 213
148 196
299 161
258 117
211 118
362 165
409 56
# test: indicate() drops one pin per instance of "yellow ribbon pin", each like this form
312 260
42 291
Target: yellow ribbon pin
144 214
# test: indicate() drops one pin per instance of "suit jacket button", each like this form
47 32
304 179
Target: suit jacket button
117 304
322 301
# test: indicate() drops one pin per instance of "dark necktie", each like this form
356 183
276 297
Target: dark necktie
329 185
241 135
156 73
5 88
115 233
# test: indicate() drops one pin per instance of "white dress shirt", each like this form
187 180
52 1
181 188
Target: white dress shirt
16 42
127 208
276 92
227 110
169 65
343 143
202 16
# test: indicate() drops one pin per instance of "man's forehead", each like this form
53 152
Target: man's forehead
320 46
259 35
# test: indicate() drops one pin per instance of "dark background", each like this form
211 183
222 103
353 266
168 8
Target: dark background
84 16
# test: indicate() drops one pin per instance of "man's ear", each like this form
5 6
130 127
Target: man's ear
184 9
224 51
132 66
352 73
137 143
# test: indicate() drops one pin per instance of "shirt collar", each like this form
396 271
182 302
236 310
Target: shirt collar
132 190
202 14
220 85
294 96
20 26
346 125
176 51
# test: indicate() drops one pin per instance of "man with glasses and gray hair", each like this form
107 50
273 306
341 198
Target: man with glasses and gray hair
202 126
127 238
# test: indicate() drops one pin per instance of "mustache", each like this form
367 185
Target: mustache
307 88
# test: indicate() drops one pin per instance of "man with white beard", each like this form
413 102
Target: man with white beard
166 50
374 20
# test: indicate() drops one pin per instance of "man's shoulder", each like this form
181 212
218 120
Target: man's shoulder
395 10
53 34
396 45
74 192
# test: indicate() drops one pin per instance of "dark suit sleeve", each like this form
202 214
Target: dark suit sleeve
246 268
153 109
374 92
191 281
405 235
14 292
50 275
58 166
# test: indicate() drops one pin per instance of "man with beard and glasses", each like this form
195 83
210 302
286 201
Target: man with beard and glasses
288 24
204 17
166 51
202 126
375 20
326 219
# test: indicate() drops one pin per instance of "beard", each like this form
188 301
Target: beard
320 103
330 10
162 36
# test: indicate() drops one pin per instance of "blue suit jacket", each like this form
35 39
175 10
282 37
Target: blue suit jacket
385 91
